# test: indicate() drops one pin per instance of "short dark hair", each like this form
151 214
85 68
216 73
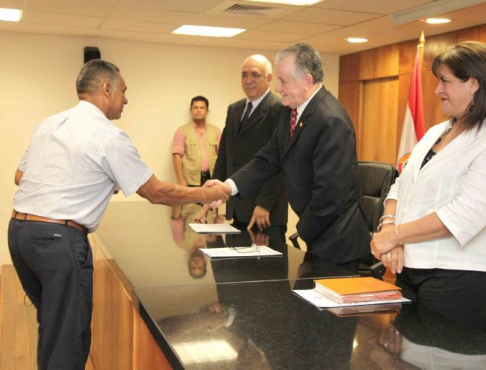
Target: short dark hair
200 98
465 60
307 60
94 73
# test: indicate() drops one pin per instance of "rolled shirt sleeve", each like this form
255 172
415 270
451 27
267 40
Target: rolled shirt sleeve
179 143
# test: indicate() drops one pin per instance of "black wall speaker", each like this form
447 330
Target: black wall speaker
91 52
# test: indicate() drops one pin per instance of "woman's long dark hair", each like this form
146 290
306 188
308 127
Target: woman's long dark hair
465 60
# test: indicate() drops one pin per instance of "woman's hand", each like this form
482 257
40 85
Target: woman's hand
384 241
394 259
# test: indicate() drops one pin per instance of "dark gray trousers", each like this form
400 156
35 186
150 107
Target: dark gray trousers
55 266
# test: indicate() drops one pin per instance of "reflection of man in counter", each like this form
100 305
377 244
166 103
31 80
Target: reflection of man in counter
188 239
196 146
66 178
315 146
250 123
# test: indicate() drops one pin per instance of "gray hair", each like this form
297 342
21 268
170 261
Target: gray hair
94 73
262 60
307 60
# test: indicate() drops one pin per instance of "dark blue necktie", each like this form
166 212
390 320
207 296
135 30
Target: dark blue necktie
247 112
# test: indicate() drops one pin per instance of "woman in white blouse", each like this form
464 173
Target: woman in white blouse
433 230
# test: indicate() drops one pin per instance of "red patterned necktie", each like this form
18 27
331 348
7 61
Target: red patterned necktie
293 121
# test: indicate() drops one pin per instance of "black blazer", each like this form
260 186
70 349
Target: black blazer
321 178
238 146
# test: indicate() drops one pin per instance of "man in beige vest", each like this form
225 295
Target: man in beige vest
196 146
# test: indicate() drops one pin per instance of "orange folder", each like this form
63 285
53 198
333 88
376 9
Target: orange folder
357 289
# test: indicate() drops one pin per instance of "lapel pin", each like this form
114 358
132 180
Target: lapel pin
300 124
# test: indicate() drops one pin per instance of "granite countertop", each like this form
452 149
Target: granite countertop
263 325
241 313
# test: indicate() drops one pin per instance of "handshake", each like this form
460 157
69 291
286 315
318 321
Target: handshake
217 193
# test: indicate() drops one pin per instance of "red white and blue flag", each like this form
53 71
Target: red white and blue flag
413 124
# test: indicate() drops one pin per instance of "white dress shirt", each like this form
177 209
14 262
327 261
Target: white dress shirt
452 184
74 162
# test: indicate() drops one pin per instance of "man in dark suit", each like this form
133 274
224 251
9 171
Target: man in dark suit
315 146
250 123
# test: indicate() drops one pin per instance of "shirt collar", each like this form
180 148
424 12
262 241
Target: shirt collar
256 102
301 108
84 104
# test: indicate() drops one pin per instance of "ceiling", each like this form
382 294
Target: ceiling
324 25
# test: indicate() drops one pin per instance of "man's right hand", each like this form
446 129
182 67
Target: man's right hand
216 191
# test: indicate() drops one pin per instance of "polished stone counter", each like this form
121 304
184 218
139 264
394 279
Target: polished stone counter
241 313
263 325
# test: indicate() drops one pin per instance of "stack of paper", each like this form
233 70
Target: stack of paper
241 252
214 229
357 289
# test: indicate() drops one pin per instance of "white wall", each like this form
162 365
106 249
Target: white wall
37 74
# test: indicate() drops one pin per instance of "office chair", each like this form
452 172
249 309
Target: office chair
375 179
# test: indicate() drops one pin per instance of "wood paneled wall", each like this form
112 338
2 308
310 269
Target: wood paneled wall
374 86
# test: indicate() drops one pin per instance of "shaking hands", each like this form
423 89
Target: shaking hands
217 192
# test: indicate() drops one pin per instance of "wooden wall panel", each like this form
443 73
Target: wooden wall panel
434 45
379 121
349 95
379 63
477 33
407 51
349 67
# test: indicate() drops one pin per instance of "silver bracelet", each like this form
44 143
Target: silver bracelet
386 216
384 223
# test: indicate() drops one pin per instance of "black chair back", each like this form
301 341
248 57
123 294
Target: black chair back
375 179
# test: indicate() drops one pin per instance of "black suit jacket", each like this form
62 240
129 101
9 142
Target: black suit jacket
321 177
238 146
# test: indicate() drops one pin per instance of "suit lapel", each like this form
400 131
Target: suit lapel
304 119
256 116
237 114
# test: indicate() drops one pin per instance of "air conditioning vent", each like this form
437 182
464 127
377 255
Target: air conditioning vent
265 11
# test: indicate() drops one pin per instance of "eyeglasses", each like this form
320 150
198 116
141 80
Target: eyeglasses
253 249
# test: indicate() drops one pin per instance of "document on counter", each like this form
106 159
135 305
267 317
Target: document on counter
214 229
320 301
253 251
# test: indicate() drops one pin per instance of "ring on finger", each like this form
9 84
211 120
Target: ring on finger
388 255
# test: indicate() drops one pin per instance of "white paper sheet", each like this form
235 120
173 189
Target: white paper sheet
318 300
253 251
214 229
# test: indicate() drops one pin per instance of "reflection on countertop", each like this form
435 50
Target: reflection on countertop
241 313
153 245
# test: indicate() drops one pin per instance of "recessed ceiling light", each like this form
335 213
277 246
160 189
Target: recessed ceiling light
289 2
10 15
356 40
208 31
437 20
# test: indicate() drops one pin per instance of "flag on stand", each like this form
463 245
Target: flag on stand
413 124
